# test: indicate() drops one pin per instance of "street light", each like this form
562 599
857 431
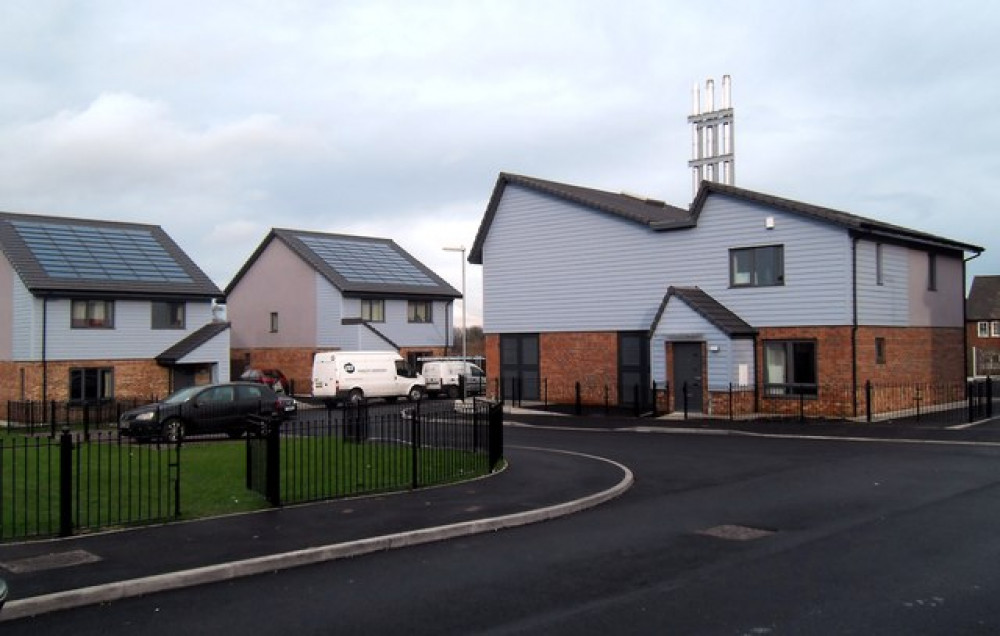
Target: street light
465 303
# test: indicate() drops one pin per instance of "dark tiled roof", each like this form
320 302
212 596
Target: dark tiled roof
64 277
849 221
984 299
420 280
709 308
191 343
643 211
659 216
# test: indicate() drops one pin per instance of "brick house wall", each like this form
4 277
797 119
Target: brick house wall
983 352
140 379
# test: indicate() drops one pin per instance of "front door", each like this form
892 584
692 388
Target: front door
688 368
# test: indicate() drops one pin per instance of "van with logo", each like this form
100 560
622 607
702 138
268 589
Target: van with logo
354 376
442 377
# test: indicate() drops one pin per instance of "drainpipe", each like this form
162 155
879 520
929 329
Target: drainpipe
965 320
45 363
447 328
854 323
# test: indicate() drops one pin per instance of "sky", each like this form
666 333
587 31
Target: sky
220 120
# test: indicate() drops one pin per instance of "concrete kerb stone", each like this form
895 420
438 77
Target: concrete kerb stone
119 590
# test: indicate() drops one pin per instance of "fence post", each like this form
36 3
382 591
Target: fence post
655 412
577 405
415 446
65 484
989 396
545 404
177 478
730 401
970 399
685 390
273 453
52 415
496 434
636 407
802 406
868 400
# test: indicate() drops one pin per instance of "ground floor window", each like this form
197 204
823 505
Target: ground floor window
91 384
790 367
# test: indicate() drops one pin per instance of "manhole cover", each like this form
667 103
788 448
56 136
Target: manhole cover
737 533
50 561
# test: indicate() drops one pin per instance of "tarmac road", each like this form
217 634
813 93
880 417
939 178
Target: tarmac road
720 534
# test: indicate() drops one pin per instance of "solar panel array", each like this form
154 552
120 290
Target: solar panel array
100 253
366 261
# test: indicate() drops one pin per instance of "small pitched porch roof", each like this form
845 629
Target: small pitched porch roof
192 343
709 308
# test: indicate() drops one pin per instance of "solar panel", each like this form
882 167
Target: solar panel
366 262
99 253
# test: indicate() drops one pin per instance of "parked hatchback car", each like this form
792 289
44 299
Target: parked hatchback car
273 378
212 408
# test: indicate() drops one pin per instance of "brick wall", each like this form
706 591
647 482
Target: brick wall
987 352
590 358
132 378
295 363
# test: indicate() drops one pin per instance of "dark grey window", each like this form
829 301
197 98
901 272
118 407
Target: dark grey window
757 266
419 311
932 272
790 367
879 274
879 350
274 322
168 315
91 384
92 314
373 310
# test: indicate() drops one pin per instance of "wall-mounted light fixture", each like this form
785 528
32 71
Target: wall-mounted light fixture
769 223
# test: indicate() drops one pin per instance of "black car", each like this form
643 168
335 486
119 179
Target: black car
212 408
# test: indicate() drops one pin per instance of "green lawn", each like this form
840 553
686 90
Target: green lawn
121 484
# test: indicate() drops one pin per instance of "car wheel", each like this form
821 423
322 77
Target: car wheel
235 433
453 392
356 397
415 394
173 430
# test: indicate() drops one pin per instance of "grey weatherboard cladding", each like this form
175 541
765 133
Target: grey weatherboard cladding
659 216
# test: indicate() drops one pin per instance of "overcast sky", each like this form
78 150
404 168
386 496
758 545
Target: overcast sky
219 120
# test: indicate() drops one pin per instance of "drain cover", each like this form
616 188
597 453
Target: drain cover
50 561
737 533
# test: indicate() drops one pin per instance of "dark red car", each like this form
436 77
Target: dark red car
271 377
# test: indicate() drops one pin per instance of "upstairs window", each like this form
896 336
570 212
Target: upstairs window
995 329
274 322
92 314
932 272
168 315
984 329
757 266
373 310
419 311
879 273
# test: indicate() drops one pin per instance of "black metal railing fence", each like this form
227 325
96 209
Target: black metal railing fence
329 453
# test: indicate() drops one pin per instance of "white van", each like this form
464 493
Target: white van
356 375
441 376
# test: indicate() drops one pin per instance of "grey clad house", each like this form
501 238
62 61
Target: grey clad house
301 292
785 300
94 310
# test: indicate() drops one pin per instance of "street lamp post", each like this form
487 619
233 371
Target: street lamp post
465 302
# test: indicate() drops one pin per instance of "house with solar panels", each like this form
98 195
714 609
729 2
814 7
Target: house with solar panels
95 310
301 292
